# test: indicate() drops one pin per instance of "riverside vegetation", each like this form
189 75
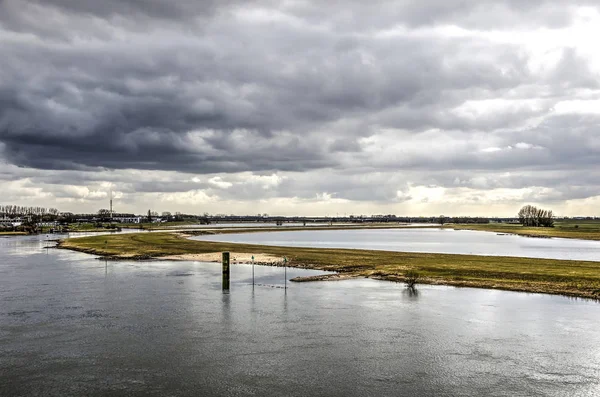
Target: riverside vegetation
571 228
571 278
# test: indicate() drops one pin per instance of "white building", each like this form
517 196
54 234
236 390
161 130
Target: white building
128 219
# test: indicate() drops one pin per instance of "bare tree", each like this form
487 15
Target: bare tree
535 217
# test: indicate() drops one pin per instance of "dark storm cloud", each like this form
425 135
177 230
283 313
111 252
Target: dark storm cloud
355 13
127 106
180 9
20 15
208 87
560 142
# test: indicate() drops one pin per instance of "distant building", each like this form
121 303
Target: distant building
10 223
128 219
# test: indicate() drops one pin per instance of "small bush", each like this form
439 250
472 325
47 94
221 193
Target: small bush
411 278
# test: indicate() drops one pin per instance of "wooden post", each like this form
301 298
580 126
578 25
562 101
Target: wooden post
225 271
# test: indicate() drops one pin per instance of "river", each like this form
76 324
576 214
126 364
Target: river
432 240
74 325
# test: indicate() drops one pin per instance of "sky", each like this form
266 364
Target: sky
431 107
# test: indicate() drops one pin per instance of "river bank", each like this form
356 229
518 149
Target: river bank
570 278
571 230
582 230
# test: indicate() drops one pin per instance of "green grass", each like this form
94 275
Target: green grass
90 227
13 234
154 226
590 226
573 278
589 230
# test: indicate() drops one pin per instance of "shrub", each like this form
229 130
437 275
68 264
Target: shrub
411 278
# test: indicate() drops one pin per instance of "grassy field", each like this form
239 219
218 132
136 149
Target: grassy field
586 230
593 224
572 278
13 234
154 226
89 227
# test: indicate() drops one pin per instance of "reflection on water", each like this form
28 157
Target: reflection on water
425 240
74 325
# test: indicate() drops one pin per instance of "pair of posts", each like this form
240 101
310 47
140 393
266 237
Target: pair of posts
226 265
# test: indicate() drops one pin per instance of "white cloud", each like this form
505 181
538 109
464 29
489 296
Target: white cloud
216 181
578 106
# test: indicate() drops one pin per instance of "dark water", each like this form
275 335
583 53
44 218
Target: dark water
73 325
446 241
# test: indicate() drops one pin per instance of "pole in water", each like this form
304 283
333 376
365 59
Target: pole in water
225 271
252 271
285 272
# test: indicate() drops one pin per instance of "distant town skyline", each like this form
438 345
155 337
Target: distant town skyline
301 108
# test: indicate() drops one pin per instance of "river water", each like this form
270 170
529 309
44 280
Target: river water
74 325
445 241
250 225
284 225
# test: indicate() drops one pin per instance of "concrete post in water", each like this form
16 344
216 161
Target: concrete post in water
226 271
252 271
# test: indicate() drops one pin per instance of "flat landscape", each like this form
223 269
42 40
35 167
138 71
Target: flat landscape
579 229
571 278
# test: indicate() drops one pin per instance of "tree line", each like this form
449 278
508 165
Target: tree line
536 217
15 211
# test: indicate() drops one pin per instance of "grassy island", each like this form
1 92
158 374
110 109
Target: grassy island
571 278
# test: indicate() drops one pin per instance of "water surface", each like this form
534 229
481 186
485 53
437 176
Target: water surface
447 241
74 325
249 225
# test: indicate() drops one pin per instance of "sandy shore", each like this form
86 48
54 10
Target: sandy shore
235 257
